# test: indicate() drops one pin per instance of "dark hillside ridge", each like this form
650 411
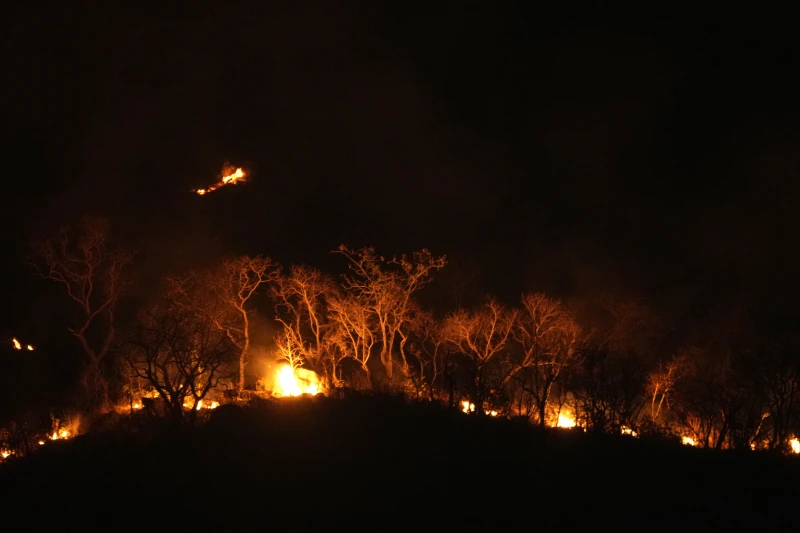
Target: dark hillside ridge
380 463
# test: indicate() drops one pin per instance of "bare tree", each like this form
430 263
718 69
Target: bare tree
177 348
661 382
92 271
481 336
301 303
386 288
550 339
239 279
353 330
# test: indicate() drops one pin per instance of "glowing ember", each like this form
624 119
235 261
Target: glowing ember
795 444
625 430
41 443
565 421
29 347
230 175
689 441
289 385
16 344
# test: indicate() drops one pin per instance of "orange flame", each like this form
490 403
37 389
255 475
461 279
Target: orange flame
288 383
16 344
795 444
230 175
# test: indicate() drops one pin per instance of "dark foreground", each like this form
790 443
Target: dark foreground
379 464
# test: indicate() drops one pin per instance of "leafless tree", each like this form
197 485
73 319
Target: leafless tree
353 333
550 339
302 305
238 279
481 336
177 348
661 382
92 271
386 288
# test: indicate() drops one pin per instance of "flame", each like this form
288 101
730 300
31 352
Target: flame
565 421
689 441
289 385
230 175
795 444
137 405
5 453
467 407
17 345
41 443
625 430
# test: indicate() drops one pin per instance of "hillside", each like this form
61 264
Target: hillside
380 463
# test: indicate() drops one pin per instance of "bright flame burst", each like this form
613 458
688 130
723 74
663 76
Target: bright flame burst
689 441
230 175
795 444
565 421
289 385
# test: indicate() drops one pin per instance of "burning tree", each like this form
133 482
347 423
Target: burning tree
177 347
385 289
481 336
550 338
91 270
237 280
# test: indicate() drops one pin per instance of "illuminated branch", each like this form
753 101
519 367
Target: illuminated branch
92 274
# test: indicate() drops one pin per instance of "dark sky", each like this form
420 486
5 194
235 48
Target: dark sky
648 152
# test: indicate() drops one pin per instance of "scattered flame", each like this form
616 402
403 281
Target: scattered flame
137 405
5 453
689 441
795 444
491 413
17 345
230 175
60 434
467 407
289 385
625 430
201 404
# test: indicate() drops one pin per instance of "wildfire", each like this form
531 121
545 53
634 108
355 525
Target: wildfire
230 175
187 404
689 441
18 345
61 434
565 421
288 383
467 407
5 454
795 444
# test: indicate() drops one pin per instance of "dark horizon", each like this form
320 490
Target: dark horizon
573 154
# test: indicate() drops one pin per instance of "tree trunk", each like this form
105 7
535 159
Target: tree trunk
245 350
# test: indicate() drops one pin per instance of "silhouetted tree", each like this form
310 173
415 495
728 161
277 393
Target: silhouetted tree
177 347
92 271
550 339
481 336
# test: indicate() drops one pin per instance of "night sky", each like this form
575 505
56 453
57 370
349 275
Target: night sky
648 153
